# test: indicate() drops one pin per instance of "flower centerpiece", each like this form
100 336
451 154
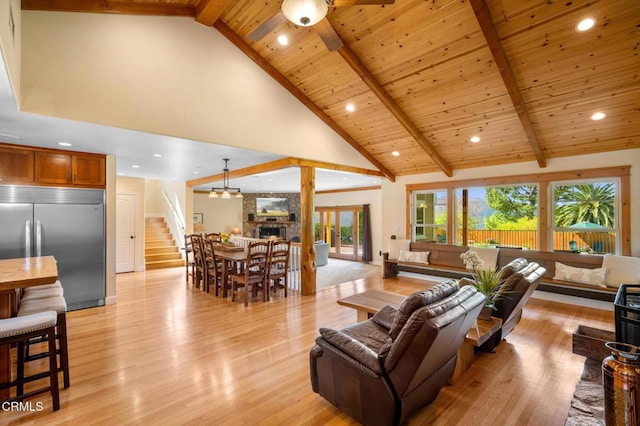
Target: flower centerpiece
487 281
225 237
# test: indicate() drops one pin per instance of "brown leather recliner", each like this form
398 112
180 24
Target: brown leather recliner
520 279
381 370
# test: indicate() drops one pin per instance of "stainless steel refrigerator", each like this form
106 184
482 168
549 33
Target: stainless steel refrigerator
67 223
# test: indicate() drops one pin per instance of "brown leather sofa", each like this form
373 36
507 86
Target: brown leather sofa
520 279
381 370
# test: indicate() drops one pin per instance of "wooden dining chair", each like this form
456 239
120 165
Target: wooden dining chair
214 267
254 275
200 271
189 263
278 270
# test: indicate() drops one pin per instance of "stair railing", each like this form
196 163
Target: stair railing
175 221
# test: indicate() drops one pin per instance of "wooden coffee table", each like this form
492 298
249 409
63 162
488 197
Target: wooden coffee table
369 302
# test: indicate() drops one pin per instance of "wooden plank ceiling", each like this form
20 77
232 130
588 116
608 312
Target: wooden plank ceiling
426 76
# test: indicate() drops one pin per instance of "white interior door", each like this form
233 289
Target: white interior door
125 232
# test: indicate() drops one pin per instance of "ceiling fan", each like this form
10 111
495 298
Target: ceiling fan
307 13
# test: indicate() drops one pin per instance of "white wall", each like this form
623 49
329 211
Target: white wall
169 76
353 198
219 215
110 230
10 43
394 194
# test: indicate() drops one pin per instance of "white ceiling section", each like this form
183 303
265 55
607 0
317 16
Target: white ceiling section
129 72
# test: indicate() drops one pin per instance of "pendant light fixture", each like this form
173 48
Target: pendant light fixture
225 191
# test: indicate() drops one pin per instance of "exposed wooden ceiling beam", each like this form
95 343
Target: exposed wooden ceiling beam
276 75
367 77
282 163
483 15
208 11
109 6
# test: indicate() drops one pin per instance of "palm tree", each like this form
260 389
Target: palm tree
585 203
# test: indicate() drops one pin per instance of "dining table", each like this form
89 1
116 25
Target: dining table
231 257
15 274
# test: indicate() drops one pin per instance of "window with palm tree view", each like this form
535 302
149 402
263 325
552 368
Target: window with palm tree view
585 217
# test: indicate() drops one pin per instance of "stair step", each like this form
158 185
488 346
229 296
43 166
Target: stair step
159 250
162 256
161 264
153 219
155 244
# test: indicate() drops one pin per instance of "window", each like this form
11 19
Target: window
541 204
429 216
585 216
504 216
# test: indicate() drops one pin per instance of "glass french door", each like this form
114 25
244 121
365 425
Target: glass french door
341 227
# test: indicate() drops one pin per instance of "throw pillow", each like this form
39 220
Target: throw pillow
395 246
580 275
621 270
414 256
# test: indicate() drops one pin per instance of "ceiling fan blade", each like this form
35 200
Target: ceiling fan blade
328 35
267 26
359 2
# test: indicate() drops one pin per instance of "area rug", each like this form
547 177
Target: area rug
587 405
339 271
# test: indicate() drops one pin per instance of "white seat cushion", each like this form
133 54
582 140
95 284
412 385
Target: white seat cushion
621 270
16 326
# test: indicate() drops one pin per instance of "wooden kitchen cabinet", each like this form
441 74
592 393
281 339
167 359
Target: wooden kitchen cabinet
88 170
16 166
53 168
49 167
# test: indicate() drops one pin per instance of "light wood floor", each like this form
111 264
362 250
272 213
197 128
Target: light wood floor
169 354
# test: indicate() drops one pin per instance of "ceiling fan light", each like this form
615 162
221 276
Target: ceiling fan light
304 12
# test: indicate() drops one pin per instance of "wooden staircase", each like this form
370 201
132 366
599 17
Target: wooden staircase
160 250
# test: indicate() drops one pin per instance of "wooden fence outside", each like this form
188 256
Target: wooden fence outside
596 241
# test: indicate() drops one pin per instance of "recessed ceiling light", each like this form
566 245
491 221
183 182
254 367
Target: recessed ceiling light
395 153
586 24
157 155
474 139
196 173
64 144
350 107
283 40
598 116
135 166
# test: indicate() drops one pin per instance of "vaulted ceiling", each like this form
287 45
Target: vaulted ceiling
426 76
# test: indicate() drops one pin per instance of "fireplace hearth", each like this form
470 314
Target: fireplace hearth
272 231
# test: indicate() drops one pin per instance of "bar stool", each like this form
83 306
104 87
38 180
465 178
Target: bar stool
19 330
58 305
44 293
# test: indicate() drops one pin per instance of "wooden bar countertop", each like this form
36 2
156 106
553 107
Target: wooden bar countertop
27 272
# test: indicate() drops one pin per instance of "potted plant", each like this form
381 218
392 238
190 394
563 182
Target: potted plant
487 281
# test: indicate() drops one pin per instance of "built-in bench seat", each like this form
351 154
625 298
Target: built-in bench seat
444 260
